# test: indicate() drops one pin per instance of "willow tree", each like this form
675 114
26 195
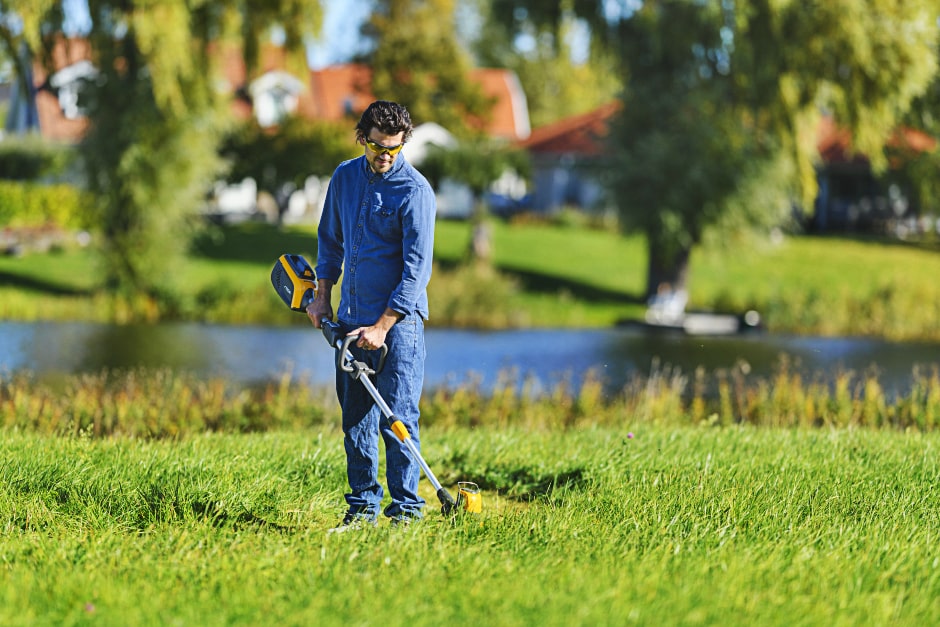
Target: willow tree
156 116
918 171
722 102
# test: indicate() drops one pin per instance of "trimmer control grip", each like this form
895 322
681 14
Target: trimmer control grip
330 331
344 359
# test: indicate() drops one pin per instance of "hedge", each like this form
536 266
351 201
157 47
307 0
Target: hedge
33 204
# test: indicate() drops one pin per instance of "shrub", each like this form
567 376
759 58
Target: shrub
28 158
33 204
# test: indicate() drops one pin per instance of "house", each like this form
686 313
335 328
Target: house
56 94
343 91
274 93
559 151
334 93
850 197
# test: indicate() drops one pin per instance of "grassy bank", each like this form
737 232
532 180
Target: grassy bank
155 498
543 275
734 526
163 404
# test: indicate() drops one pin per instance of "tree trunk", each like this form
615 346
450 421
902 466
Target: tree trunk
667 273
481 239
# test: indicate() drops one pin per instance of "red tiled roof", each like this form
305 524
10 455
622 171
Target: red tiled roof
339 91
334 93
345 89
506 119
581 135
835 143
54 125
584 134
271 59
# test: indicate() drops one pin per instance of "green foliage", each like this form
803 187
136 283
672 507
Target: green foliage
722 103
296 150
555 84
919 174
916 171
149 173
474 295
419 62
32 204
28 158
157 118
674 175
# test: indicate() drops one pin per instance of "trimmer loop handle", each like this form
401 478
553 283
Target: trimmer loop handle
344 361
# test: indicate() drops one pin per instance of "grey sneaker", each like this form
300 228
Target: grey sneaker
403 521
354 522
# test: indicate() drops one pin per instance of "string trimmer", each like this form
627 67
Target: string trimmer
295 282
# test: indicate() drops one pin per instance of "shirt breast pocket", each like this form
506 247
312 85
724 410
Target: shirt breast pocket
385 221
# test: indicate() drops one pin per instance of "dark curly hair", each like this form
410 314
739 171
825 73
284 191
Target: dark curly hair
390 118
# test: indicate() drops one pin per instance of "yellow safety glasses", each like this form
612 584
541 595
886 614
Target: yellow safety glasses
380 149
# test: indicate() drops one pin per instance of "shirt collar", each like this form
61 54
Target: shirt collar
398 165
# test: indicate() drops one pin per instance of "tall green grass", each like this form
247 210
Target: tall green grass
674 526
163 404
153 498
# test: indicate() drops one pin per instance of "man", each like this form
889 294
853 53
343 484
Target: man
378 226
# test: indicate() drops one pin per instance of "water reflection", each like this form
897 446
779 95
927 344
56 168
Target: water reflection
546 357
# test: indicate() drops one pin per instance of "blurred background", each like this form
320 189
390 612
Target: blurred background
621 184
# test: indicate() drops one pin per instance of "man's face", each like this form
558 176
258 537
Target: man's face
382 149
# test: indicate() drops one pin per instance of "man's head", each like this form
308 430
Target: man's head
383 129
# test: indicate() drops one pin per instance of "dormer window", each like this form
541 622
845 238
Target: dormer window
275 96
68 83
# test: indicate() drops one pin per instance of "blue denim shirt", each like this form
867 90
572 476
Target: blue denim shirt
379 228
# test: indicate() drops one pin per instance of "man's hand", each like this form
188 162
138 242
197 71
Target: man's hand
321 308
371 338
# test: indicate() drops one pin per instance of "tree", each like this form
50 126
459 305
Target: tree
722 102
418 61
156 117
692 152
281 160
918 172
556 84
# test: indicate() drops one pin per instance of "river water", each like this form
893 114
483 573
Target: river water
251 354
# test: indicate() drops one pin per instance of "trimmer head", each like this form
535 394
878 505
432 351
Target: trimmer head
294 281
469 500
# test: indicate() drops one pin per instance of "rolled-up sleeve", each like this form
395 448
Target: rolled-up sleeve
330 237
417 221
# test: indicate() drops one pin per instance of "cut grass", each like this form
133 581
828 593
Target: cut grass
676 526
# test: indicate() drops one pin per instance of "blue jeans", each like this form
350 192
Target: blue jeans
399 383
